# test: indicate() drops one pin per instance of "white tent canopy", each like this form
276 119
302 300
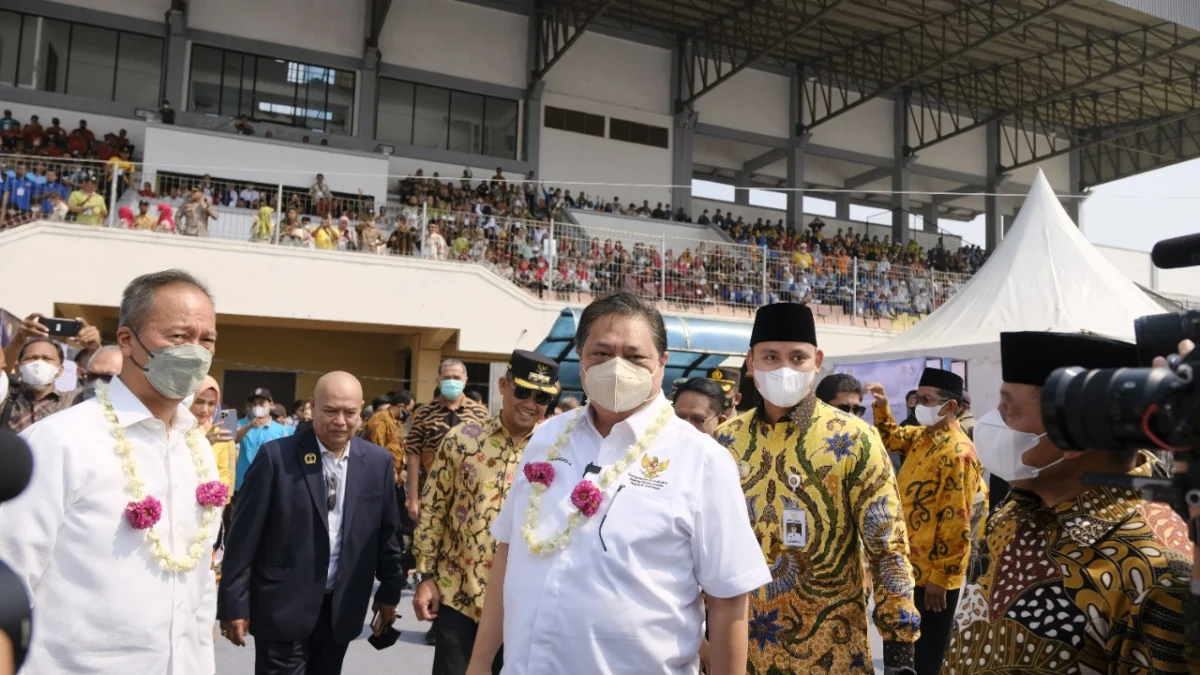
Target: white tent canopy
1044 276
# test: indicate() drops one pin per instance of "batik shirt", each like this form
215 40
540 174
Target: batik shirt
812 617
432 421
384 430
938 483
1094 585
469 479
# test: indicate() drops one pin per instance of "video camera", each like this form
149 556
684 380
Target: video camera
1136 408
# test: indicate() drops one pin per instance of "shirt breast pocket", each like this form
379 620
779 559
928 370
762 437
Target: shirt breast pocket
635 519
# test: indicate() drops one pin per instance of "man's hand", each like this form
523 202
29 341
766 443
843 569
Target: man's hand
30 328
876 389
935 597
387 616
217 434
236 631
1185 348
427 600
260 421
89 336
413 504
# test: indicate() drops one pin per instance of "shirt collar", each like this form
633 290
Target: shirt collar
1095 512
637 422
130 410
326 451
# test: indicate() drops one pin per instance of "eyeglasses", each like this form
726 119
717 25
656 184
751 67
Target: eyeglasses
931 401
539 397
695 420
331 499
88 378
856 410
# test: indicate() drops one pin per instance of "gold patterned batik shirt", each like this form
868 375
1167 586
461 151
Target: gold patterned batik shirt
430 424
831 466
938 481
468 481
384 430
1094 585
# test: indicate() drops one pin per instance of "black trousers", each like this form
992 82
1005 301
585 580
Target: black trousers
320 654
455 635
935 632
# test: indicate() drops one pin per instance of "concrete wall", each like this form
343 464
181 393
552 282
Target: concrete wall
614 74
333 26
455 38
225 155
752 100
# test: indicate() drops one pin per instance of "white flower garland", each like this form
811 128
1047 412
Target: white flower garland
560 540
169 562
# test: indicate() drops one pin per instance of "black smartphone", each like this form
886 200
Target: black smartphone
66 328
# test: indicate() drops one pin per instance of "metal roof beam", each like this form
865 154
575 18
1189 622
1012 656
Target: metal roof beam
378 14
562 23
979 96
867 177
721 49
764 160
902 57
1121 135
1163 145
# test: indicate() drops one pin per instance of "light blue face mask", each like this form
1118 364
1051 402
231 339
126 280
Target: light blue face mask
452 389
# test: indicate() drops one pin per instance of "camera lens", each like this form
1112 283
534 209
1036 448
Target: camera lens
1160 334
1103 409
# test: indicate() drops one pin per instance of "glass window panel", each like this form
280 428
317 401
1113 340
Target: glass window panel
500 128
10 38
431 117
139 70
30 29
341 101
312 96
92 62
466 122
274 95
235 84
394 116
43 63
205 89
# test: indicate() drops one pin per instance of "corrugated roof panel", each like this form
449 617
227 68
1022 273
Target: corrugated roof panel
1182 12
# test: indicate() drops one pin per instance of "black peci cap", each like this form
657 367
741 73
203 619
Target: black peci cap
1029 357
784 322
942 379
534 371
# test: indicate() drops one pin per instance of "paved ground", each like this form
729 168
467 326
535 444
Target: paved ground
409 656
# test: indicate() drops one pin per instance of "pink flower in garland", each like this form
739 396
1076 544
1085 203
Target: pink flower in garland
540 472
586 497
144 514
212 494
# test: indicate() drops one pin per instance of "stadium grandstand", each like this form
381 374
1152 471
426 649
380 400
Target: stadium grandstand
378 185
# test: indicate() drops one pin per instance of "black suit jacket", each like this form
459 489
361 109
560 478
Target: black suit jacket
277 549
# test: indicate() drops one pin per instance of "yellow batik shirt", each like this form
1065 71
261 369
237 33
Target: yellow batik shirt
384 430
812 617
938 481
1094 585
471 473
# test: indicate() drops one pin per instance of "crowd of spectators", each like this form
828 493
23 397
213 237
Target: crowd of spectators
505 224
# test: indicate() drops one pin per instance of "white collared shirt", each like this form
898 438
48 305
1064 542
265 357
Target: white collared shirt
101 603
335 468
624 595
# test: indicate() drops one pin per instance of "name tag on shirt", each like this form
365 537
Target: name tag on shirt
20 192
795 528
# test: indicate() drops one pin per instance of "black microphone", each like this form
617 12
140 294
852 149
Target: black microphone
591 468
16 465
1176 252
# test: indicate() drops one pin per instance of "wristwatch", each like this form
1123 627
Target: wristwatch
425 576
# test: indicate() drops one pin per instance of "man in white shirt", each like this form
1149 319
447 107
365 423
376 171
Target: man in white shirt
114 535
621 516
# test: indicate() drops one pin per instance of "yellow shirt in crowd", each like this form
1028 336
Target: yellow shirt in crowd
94 209
938 483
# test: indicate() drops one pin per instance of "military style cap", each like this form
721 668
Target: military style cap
784 322
728 378
1029 357
534 371
942 379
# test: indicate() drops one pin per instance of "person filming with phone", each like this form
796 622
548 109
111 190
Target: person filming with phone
39 362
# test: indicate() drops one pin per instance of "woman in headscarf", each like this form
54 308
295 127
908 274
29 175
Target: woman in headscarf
205 407
264 225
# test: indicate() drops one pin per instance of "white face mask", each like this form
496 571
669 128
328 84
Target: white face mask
38 374
784 387
3 386
928 415
260 411
618 385
1000 448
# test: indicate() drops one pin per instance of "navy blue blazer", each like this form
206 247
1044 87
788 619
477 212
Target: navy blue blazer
277 549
